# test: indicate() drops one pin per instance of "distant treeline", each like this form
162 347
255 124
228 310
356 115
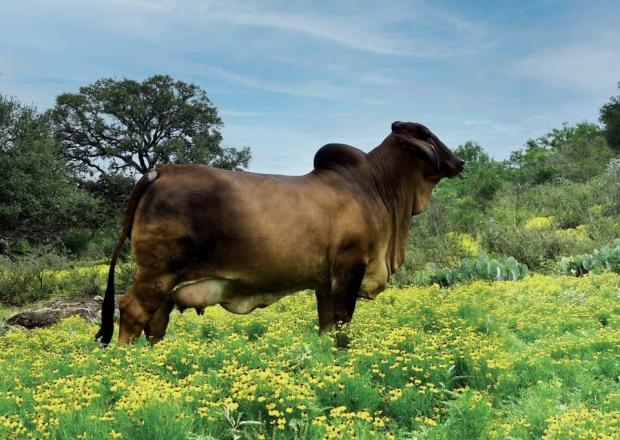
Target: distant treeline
66 173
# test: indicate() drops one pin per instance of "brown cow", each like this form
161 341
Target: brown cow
203 236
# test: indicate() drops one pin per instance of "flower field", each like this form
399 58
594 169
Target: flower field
534 358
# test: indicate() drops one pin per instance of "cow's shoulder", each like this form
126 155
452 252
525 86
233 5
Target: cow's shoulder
343 155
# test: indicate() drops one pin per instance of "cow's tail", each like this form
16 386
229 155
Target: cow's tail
104 335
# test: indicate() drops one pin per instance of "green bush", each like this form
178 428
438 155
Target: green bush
440 249
532 247
93 244
34 277
603 231
24 280
76 241
102 243
611 182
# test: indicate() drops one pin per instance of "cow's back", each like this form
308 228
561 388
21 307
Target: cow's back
271 232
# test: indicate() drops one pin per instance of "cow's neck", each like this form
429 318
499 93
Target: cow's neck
402 189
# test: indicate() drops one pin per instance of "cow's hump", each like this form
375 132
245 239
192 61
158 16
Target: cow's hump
331 155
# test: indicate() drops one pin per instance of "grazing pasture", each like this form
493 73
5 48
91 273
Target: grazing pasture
534 358
496 254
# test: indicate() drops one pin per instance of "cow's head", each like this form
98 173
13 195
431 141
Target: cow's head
435 159
438 160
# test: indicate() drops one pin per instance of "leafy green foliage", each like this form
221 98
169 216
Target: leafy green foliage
482 178
114 192
532 247
569 175
610 116
38 196
125 127
573 153
24 281
610 184
30 278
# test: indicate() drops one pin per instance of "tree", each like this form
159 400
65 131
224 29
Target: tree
610 116
584 153
126 127
471 152
459 204
482 177
574 153
39 199
534 165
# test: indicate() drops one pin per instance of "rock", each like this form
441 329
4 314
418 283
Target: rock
37 318
53 311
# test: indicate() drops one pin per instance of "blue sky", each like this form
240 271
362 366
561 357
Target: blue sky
290 76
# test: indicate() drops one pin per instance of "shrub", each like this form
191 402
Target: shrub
466 242
25 280
36 277
567 203
532 247
430 245
76 241
603 231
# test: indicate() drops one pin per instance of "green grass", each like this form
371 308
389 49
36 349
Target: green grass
528 359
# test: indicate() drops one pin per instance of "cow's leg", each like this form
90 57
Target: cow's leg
155 328
325 306
148 293
337 304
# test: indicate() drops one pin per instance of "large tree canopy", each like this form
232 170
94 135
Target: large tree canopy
126 127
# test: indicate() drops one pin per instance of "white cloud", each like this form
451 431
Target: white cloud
343 33
289 76
362 26
590 66
319 89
